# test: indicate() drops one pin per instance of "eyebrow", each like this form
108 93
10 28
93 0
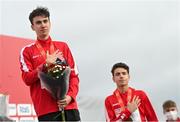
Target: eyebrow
117 73
39 21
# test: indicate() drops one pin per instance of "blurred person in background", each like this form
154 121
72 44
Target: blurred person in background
170 111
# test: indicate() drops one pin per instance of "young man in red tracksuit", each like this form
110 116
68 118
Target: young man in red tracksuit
126 103
42 53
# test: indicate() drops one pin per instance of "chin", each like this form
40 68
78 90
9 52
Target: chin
44 35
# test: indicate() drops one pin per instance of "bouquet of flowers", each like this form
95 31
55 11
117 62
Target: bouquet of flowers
55 79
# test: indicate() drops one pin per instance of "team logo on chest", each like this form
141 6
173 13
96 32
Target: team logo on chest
36 56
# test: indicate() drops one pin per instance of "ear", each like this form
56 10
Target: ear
163 111
50 24
113 79
32 27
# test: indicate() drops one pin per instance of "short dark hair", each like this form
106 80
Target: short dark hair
119 65
39 11
168 104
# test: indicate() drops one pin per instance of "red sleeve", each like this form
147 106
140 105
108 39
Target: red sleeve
110 114
74 79
149 111
29 75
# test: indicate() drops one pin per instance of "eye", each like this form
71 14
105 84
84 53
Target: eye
167 110
45 21
117 74
38 22
172 109
124 73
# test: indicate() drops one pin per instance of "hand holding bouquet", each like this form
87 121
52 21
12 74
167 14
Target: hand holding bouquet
55 79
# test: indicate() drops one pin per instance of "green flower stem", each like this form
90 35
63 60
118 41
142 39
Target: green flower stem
63 115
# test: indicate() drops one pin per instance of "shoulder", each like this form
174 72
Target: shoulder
140 93
60 43
28 47
63 46
110 98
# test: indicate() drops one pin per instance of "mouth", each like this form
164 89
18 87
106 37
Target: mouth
121 81
43 30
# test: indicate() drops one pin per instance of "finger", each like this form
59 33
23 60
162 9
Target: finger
62 101
56 52
47 53
61 106
134 98
138 101
60 54
54 60
139 104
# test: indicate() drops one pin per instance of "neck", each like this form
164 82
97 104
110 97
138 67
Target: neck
123 89
43 37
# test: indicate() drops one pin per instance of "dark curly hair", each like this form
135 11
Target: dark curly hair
39 11
119 65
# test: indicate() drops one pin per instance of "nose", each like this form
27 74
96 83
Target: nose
43 24
120 75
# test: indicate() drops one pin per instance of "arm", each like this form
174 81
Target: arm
111 116
29 75
150 113
74 79
125 114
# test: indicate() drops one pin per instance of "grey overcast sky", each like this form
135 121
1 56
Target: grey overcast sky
142 33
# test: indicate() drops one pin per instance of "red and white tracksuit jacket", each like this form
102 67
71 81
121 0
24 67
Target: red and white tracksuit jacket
30 60
114 113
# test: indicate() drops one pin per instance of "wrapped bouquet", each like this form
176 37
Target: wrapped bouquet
55 79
